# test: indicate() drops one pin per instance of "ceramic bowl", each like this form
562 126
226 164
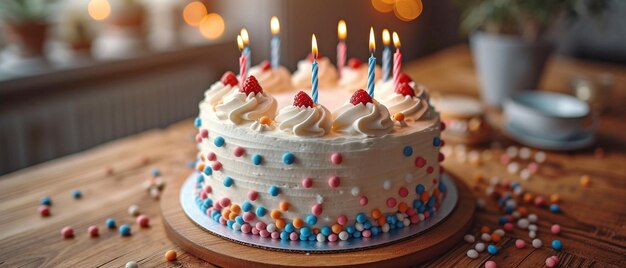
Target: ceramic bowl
547 115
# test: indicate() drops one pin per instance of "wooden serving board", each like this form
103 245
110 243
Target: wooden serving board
221 252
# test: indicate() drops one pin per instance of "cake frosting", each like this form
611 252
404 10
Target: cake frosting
272 79
355 78
327 73
306 173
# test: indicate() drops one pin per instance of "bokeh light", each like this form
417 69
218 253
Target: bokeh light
382 6
194 13
408 10
212 26
99 9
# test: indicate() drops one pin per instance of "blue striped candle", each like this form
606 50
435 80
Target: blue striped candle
371 75
314 69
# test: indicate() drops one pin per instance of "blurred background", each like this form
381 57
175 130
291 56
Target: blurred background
78 73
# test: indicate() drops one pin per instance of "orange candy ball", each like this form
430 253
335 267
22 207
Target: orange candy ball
298 223
398 116
170 255
284 205
485 230
235 208
402 207
376 213
336 228
265 120
276 214
280 223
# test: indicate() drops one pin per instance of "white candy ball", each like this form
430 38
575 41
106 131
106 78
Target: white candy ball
472 253
343 235
480 247
537 243
469 238
133 210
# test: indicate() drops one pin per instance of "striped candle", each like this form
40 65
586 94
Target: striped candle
314 79
275 43
341 55
371 64
397 60
386 63
243 70
248 53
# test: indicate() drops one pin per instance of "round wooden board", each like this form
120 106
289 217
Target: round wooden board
221 252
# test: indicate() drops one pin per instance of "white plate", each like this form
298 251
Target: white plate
580 141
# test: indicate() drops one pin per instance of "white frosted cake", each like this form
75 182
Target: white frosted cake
349 166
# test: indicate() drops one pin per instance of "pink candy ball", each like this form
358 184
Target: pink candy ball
261 225
255 231
203 195
539 201
332 237
198 138
414 218
238 151
411 212
441 157
93 231
490 264
275 235
552 261
44 211
143 221
222 221
555 229
216 166
508 227
211 156
430 169
67 232
420 162
426 214
342 220
403 192
264 233
519 243
317 209
334 182
225 202
367 233
391 202
336 158
363 200
248 216
204 133
293 236
207 188
217 206
253 195
307 183
246 228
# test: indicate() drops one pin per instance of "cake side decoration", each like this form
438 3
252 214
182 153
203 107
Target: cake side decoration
246 105
362 116
304 118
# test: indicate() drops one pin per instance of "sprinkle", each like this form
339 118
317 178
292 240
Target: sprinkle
469 238
508 227
523 224
204 133
317 209
228 181
225 202
248 216
273 190
524 153
485 229
490 264
363 200
45 201
555 229
355 191
533 227
208 171
284 205
216 166
219 141
124 230
472 254
77 194
485 237
143 221
67 232
419 189
170 255
511 151
334 182
495 237
307 183
336 228
238 151
436 141
110 223
133 210
537 243
554 208
253 195
533 217
261 211
288 158
492 249
257 159
387 184
557 245
343 236
44 210
540 157
131 264
197 122
311 219
336 158
430 169
407 151
480 247
552 261
585 180
391 202
519 243
532 234
420 162
403 192
276 214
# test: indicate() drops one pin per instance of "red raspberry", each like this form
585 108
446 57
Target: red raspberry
310 57
354 63
265 65
405 90
404 78
251 85
229 78
360 96
302 100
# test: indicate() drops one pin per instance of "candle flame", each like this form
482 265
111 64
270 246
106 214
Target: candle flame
396 40
275 25
342 30
240 42
244 36
314 47
386 37
372 41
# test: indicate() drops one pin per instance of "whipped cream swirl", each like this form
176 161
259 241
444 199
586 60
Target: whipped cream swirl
238 108
274 79
384 89
217 91
327 75
368 120
413 108
304 121
355 78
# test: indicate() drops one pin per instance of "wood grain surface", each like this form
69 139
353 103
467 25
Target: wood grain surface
593 219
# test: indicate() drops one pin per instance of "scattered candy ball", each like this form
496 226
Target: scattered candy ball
480 247
44 210
143 221
67 232
131 264
485 237
556 245
133 210
533 227
46 201
537 243
533 217
170 255
77 194
492 249
555 229
551 262
523 224
93 231
519 243
532 234
469 238
124 230
472 254
490 264
585 180
110 223
554 208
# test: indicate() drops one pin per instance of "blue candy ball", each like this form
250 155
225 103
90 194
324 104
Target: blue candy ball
305 231
289 227
436 141
284 235
110 223
77 194
326 231
45 201
155 172
311 219
273 191
361 218
218 141
200 178
492 249
557 245
246 206
239 220
419 189
554 208
261 211
197 122
407 151
228 181
257 159
288 158
124 230
208 171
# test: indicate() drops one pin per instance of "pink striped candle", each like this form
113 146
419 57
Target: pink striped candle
243 62
342 32
397 60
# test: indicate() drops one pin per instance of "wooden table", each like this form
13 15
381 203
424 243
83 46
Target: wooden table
593 219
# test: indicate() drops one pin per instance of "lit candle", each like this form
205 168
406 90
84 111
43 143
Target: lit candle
342 32
386 55
275 45
246 49
314 69
243 60
397 60
371 64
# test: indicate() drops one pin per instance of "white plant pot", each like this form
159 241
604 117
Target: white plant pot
507 64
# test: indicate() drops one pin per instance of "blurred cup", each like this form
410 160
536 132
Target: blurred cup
594 90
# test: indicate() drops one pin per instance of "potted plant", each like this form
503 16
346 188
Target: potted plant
511 40
26 25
